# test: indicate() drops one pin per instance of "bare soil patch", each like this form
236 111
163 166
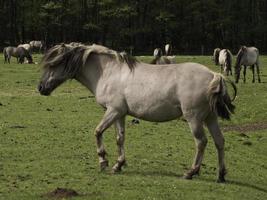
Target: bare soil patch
246 127
60 193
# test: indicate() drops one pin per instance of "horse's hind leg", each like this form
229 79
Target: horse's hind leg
214 129
244 73
258 72
201 142
109 118
120 129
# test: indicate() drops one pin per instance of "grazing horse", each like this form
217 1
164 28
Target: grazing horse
26 46
124 86
161 60
168 49
19 52
247 56
37 45
223 57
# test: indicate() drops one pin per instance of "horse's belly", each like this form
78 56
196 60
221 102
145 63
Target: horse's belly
157 113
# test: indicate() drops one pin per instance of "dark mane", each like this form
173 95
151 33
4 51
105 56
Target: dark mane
73 58
239 55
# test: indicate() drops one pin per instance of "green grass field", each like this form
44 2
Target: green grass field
48 142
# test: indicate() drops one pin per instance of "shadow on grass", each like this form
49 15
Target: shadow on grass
180 176
153 173
237 183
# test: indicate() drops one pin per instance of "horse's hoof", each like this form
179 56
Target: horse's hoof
116 169
103 165
187 177
221 180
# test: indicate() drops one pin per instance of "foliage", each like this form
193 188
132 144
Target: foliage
190 25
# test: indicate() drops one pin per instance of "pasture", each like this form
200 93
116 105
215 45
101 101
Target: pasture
49 142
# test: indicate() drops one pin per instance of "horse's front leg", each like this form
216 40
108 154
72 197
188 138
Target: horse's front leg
109 118
120 129
258 72
201 142
253 73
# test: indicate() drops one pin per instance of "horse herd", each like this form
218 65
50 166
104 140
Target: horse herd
124 86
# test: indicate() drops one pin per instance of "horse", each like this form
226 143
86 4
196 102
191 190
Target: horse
19 52
124 86
247 56
38 45
223 57
26 46
168 49
159 59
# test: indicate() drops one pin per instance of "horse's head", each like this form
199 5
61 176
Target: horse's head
58 66
242 51
157 53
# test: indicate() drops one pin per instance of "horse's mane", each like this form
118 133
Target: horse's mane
73 58
240 54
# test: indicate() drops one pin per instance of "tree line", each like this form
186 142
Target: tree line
191 26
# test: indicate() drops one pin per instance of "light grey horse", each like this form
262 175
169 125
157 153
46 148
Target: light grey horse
37 45
223 57
247 56
159 59
19 52
25 46
124 86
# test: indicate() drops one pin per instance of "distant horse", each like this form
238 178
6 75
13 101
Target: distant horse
247 56
168 49
160 60
19 52
25 46
37 45
223 57
125 86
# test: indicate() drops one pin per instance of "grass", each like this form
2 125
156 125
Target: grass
48 142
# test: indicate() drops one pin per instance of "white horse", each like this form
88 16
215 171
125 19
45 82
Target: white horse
159 59
25 46
168 49
247 56
124 86
223 57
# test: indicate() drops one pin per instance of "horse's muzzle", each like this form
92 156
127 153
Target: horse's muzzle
43 90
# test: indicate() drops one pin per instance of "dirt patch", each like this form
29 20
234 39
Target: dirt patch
61 193
246 127
17 126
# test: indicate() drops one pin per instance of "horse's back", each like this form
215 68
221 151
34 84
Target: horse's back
159 93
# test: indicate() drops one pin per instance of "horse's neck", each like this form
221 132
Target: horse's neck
93 71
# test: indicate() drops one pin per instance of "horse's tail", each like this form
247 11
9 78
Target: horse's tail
5 54
228 59
219 99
